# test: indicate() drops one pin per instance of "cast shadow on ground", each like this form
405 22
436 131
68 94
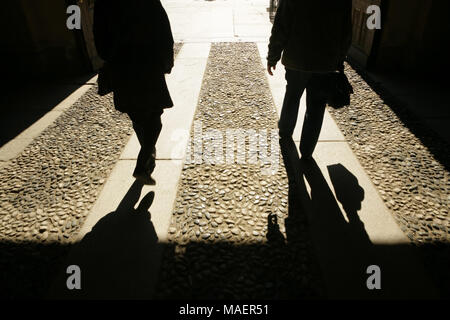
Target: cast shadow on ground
118 257
342 245
326 252
22 105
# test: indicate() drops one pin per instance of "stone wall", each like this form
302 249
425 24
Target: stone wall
36 42
412 35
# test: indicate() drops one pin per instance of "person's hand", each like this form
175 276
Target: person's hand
270 67
168 67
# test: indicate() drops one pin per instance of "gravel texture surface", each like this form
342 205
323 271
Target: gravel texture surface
407 163
48 190
223 241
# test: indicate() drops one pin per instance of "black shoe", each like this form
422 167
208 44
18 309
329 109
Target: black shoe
151 163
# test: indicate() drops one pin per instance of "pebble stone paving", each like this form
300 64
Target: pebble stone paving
48 190
221 244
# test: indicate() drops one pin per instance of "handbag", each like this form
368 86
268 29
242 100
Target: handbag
104 80
340 90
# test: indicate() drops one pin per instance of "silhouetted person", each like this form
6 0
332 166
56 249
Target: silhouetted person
135 40
274 235
312 39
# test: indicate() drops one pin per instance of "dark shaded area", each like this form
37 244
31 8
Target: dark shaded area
409 110
272 271
343 247
36 41
22 104
436 257
410 37
27 269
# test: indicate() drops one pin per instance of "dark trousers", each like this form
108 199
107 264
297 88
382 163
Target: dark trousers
297 82
147 125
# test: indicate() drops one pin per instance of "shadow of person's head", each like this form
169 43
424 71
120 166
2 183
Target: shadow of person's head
347 189
274 235
122 227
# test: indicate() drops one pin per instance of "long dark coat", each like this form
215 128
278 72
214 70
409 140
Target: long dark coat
135 39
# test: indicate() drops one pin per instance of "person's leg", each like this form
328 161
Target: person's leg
312 124
147 126
296 84
145 152
152 129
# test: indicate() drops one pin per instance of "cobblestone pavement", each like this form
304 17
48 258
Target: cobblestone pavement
223 241
408 164
49 189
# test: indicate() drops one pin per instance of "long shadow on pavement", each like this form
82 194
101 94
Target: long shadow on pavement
343 247
118 258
